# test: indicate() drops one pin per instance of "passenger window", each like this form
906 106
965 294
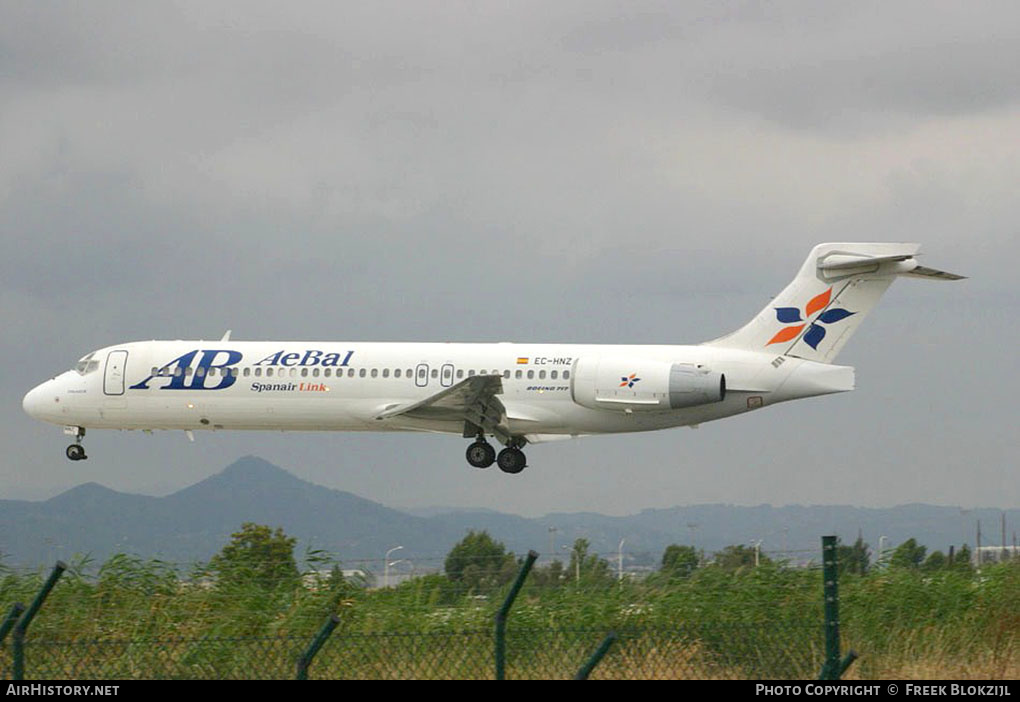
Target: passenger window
396 373
200 373
386 372
531 374
258 372
293 372
269 372
375 372
178 371
435 373
154 370
553 374
327 372
247 372
460 373
304 372
470 373
447 374
233 372
350 372
519 374
541 375
566 375
315 372
506 374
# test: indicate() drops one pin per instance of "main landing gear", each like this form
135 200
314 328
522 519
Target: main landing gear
481 454
76 452
511 460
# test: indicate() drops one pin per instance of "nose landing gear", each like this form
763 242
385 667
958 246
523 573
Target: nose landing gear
76 452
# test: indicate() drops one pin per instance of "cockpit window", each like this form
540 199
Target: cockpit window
87 364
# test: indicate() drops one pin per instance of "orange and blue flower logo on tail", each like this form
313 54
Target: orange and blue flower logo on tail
815 333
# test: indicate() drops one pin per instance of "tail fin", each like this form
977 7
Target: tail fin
816 314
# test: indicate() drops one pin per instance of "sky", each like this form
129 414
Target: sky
591 172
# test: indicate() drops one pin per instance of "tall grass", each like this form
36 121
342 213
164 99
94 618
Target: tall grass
131 615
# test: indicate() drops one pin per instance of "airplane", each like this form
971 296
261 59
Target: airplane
518 394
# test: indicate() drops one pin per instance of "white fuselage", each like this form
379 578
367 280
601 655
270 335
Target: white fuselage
346 386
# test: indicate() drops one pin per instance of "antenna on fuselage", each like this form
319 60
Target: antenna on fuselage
226 336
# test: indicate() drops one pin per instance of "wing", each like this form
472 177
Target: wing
472 400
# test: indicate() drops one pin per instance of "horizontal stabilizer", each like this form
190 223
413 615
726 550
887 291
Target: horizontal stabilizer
837 262
932 274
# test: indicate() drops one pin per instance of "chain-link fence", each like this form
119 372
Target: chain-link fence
727 652
758 618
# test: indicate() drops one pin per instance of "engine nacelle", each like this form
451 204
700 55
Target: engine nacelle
641 385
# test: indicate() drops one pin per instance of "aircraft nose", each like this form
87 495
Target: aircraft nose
38 401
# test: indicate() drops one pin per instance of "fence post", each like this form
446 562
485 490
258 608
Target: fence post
600 652
306 658
833 668
21 628
504 610
12 616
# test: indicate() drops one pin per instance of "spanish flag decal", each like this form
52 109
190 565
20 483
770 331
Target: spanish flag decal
521 360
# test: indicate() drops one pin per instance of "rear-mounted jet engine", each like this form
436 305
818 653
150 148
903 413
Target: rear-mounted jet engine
641 385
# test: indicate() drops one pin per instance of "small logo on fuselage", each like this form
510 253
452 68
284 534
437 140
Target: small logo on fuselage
628 381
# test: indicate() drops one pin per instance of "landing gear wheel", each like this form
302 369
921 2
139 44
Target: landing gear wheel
511 460
76 452
481 454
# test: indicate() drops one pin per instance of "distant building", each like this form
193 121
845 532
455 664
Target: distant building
314 579
994 554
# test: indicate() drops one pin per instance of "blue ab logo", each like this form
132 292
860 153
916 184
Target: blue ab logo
185 374
178 371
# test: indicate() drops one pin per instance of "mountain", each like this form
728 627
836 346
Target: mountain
196 522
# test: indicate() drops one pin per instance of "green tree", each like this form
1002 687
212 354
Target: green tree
679 561
585 567
960 561
735 557
854 559
551 575
909 554
478 561
936 560
257 555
